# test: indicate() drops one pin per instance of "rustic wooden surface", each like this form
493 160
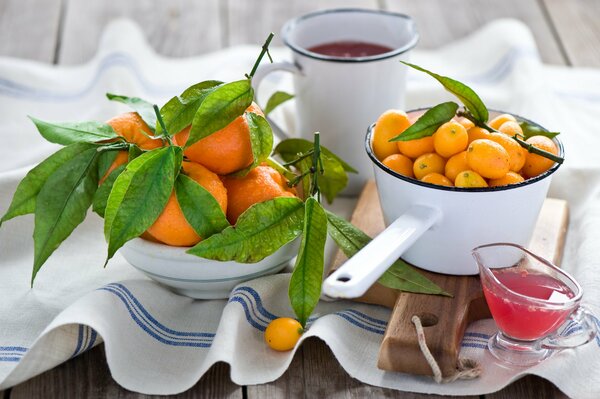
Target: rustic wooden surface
66 32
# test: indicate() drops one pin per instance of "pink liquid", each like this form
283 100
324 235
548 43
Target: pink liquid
519 319
349 49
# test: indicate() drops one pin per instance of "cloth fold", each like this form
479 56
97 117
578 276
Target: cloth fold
160 343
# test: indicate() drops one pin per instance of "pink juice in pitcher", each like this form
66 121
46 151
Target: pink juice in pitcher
521 316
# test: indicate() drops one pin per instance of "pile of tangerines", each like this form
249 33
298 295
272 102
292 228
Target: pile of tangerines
461 154
210 162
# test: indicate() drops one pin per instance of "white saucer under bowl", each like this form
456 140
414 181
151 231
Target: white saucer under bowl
197 277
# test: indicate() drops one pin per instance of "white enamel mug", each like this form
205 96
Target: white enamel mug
436 227
340 97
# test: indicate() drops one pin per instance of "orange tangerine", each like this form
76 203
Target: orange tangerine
509 178
390 124
500 119
470 179
476 133
428 163
536 164
450 138
415 148
437 178
399 163
511 128
488 158
516 153
456 164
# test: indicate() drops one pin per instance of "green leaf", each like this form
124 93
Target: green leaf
530 130
24 199
305 283
260 231
331 182
200 208
276 99
139 195
219 108
144 109
66 133
105 159
101 196
134 152
178 113
463 92
290 148
429 122
62 204
400 276
261 141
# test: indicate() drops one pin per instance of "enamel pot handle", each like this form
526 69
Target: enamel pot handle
261 73
355 276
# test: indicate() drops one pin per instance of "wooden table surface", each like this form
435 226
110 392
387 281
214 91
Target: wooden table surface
67 32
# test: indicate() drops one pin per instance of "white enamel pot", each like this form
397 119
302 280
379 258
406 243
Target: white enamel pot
436 227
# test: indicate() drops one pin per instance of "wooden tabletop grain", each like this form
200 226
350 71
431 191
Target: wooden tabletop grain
67 32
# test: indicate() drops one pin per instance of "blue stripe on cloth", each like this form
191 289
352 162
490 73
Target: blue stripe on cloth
382 323
357 323
9 359
472 345
153 320
152 332
249 318
13 349
253 307
259 304
152 326
475 334
93 337
79 341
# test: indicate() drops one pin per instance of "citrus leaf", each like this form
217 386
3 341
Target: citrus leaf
400 276
429 122
62 204
178 113
333 180
139 195
200 208
464 93
101 196
105 160
144 109
276 99
261 141
289 149
260 231
65 133
530 130
24 199
219 108
307 277
134 152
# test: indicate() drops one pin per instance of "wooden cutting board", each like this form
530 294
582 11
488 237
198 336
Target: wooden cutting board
445 319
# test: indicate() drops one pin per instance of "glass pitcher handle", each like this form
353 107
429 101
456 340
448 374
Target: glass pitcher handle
579 329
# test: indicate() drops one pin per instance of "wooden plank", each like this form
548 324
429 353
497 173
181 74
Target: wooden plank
576 24
29 28
441 21
88 376
249 22
174 28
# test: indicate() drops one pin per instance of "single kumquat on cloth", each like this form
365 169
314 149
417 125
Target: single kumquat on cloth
448 147
202 172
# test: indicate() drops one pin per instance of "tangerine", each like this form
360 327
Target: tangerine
390 124
260 184
428 163
516 153
225 151
500 119
134 130
511 128
171 227
488 158
415 148
456 164
476 133
437 178
470 179
399 163
536 164
450 138
283 333
509 178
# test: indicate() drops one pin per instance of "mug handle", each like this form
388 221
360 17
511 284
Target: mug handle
355 276
579 329
261 73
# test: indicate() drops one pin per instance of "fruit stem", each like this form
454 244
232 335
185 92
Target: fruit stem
166 134
281 168
300 158
534 150
317 167
113 147
265 50
522 143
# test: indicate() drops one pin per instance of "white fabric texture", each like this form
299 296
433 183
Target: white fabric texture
160 343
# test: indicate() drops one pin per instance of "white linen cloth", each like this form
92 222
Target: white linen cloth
160 343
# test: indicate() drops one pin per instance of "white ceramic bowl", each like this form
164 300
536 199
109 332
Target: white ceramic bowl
197 277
